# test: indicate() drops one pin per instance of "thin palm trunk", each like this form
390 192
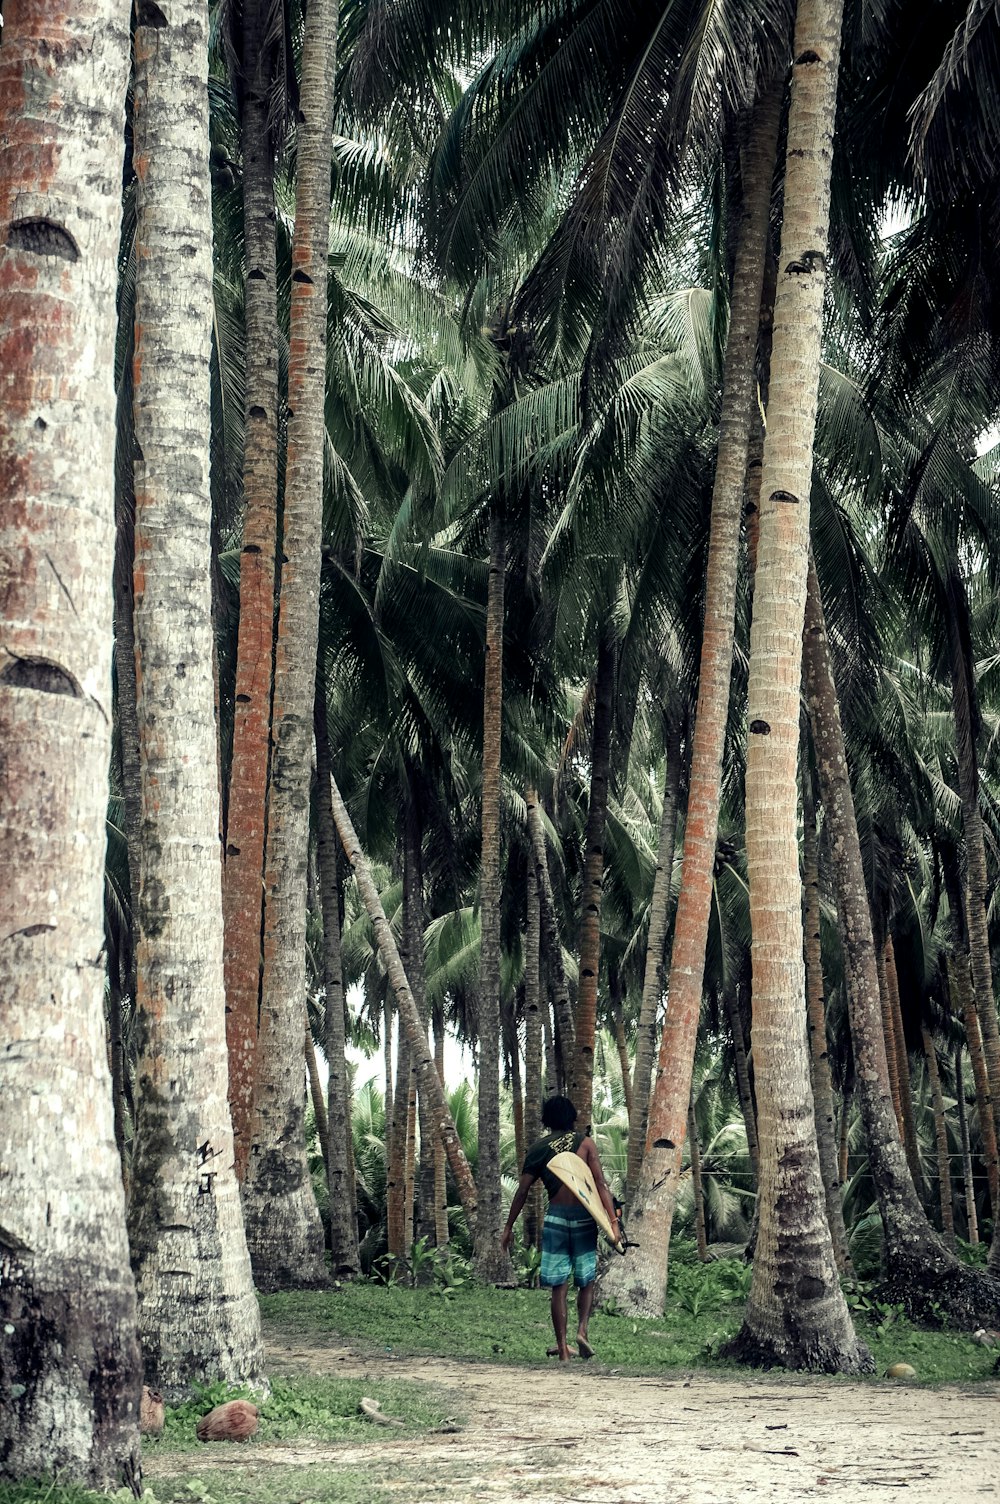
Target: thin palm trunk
344 1258
67 1301
128 725
903 1068
284 1231
638 1283
653 972
816 1021
412 952
845 1126
513 1052
492 1263
551 1052
246 815
395 1190
585 1024
441 1232
940 1139
387 1051
550 935
747 1107
960 987
621 1044
928 1278
697 1190
533 1043
410 1164
969 1186
316 1093
889 1035
428 1079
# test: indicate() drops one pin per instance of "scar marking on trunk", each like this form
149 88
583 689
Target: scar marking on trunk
808 57
784 496
760 728
300 276
150 14
663 1143
42 237
38 673
31 931
62 585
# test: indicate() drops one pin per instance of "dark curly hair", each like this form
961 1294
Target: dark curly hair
559 1114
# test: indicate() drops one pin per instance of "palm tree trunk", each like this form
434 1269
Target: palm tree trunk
582 1089
621 1044
128 726
971 1217
395 1191
889 1034
513 1051
960 987
198 1316
976 884
428 1079
316 1093
652 977
696 1185
940 1139
550 935
67 1301
747 1107
387 1052
927 1278
903 1068
344 1258
282 1221
441 1231
638 1283
410 1163
552 1072
816 1021
246 816
845 1125
492 1264
116 1061
412 953
533 1039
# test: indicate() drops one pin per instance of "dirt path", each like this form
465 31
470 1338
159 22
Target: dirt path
687 1440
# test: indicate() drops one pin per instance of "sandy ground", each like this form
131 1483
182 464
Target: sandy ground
552 1436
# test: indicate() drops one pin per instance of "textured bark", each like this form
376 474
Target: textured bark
441 1231
412 952
197 1312
621 1045
653 973
550 935
116 1062
960 986
747 1107
316 1093
513 1052
395 1183
409 1162
284 1231
976 883
903 1069
344 1257
70 1370
128 726
940 1139
969 1186
795 1313
551 1052
533 1039
920 1271
428 1079
696 1185
246 819
585 1024
845 1125
816 1023
638 1283
889 1035
492 1263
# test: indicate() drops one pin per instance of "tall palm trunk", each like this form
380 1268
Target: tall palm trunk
798 1320
344 1258
843 1152
697 1190
198 1316
533 1032
395 1188
412 952
910 1144
316 1093
960 987
441 1230
428 1079
492 1263
582 1088
747 1107
409 1162
283 1226
638 1283
512 1050
246 818
969 1186
816 1021
550 933
70 1369
976 885
652 977
889 1035
940 1138
926 1276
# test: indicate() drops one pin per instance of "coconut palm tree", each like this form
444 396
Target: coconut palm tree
67 1338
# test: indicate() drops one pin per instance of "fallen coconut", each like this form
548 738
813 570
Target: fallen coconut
900 1371
237 1420
151 1412
373 1411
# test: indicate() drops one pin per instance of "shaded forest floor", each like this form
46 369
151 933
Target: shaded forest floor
652 1418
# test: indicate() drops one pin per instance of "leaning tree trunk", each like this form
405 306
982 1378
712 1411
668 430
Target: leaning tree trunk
428 1080
344 1258
638 1283
969 1185
533 1032
550 933
652 976
243 891
198 1316
795 1315
585 1025
70 1369
920 1270
910 1144
940 1139
284 1231
492 1263
816 1021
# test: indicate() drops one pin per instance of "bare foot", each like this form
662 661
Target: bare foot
553 1352
586 1351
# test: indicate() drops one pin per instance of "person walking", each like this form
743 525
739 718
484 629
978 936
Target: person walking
569 1234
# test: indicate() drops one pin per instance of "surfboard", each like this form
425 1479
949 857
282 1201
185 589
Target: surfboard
574 1173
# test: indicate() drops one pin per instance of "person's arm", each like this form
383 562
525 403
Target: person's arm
592 1158
520 1197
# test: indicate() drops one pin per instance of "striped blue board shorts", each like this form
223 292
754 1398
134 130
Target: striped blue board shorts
569 1246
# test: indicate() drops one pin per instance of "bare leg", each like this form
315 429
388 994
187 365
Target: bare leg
584 1306
559 1320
